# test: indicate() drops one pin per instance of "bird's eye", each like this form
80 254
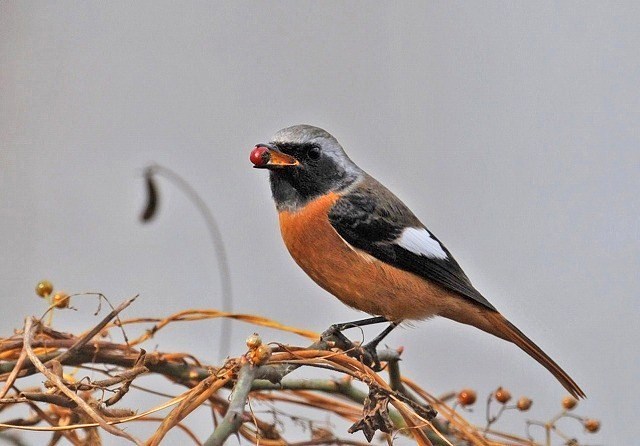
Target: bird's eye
313 153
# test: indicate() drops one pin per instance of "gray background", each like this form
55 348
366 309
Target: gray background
510 128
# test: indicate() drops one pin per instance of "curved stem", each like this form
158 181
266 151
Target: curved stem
218 243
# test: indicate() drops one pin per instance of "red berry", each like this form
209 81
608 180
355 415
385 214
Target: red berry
259 156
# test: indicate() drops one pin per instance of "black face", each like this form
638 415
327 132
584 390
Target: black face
320 171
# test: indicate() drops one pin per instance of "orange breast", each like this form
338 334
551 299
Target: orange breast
356 278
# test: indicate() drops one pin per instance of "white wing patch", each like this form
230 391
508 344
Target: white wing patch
419 241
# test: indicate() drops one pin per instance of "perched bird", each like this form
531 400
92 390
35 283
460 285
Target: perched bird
359 242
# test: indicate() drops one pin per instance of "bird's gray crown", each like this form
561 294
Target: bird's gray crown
301 134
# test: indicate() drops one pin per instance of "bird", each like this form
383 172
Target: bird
362 244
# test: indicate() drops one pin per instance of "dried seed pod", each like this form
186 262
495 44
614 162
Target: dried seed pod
569 402
44 288
502 395
61 300
261 354
592 425
467 397
524 403
151 207
254 341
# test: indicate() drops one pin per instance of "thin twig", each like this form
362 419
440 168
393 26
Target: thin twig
51 398
191 401
127 375
29 329
138 369
276 372
14 373
94 331
330 441
184 428
71 436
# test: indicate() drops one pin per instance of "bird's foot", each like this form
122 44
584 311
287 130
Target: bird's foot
366 354
334 335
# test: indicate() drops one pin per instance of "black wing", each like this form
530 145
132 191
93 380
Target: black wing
371 218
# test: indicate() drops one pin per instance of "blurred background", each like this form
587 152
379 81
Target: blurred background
510 128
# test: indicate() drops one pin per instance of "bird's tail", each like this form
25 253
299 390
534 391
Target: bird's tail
506 330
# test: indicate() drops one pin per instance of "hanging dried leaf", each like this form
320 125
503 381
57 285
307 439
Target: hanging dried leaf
151 207
375 415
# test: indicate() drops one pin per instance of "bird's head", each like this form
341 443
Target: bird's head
305 162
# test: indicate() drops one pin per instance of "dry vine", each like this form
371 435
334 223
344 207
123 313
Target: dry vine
80 411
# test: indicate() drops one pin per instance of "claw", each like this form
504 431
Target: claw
368 355
333 334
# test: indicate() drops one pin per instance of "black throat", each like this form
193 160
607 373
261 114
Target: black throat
293 188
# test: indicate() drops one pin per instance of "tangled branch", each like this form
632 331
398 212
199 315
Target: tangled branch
79 410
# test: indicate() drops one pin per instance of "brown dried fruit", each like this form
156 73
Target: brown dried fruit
254 341
61 300
569 402
467 397
261 354
44 288
502 395
592 425
524 403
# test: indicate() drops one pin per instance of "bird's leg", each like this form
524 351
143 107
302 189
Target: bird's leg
366 353
359 323
335 331
371 348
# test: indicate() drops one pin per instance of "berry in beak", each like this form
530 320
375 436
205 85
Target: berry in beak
264 157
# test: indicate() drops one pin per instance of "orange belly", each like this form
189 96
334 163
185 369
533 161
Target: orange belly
353 276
